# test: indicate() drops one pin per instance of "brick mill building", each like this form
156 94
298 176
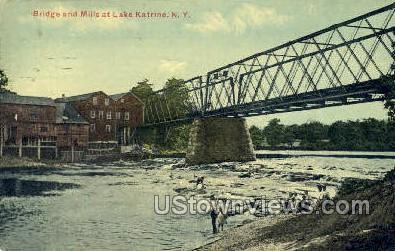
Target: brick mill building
27 126
112 119
91 123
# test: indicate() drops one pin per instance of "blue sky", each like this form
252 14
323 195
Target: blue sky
47 57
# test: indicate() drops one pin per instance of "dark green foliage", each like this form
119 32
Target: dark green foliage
175 96
290 135
257 136
178 138
312 134
143 89
369 134
351 185
3 81
389 97
274 132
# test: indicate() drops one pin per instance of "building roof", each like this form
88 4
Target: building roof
12 98
78 97
116 97
65 113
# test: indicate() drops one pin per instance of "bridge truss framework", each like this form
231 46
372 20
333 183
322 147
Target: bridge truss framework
339 65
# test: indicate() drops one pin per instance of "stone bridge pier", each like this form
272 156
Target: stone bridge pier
215 140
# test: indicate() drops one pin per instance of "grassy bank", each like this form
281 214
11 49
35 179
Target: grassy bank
16 162
373 231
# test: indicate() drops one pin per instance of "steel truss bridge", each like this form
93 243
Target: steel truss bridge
339 65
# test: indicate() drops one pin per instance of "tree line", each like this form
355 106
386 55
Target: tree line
363 135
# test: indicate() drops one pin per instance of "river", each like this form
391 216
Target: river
111 206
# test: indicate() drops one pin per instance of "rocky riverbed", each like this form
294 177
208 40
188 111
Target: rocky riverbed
98 206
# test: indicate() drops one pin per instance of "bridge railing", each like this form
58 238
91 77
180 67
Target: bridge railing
342 61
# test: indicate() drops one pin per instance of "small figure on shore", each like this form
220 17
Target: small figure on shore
199 180
214 216
221 220
321 187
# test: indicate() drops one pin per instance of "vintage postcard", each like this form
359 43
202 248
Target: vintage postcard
197 125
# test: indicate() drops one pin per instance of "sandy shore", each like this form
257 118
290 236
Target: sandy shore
246 237
374 230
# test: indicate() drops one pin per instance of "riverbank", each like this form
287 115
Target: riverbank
16 162
373 231
13 162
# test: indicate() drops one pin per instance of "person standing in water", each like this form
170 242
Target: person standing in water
213 213
214 216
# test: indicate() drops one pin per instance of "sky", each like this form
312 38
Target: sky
51 56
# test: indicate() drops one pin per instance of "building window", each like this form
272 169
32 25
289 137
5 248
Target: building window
94 100
107 101
118 115
108 128
44 129
101 114
33 116
126 115
108 115
93 114
93 127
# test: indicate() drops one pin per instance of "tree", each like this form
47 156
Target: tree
375 134
175 96
143 89
274 132
3 81
290 134
313 132
389 95
179 137
257 137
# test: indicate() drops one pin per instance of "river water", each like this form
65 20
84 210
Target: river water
111 206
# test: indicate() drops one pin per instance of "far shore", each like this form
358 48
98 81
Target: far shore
16 162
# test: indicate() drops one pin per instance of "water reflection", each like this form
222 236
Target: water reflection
21 188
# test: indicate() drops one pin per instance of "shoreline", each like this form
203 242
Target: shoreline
7 162
12 163
372 230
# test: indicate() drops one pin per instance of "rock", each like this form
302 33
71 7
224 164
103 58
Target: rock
181 190
245 175
246 221
178 165
299 177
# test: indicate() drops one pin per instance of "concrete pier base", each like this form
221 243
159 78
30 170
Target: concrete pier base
215 140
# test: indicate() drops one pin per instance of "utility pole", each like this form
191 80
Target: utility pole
1 140
72 142
39 149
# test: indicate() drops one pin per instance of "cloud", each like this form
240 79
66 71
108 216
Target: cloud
244 16
171 66
311 8
213 21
